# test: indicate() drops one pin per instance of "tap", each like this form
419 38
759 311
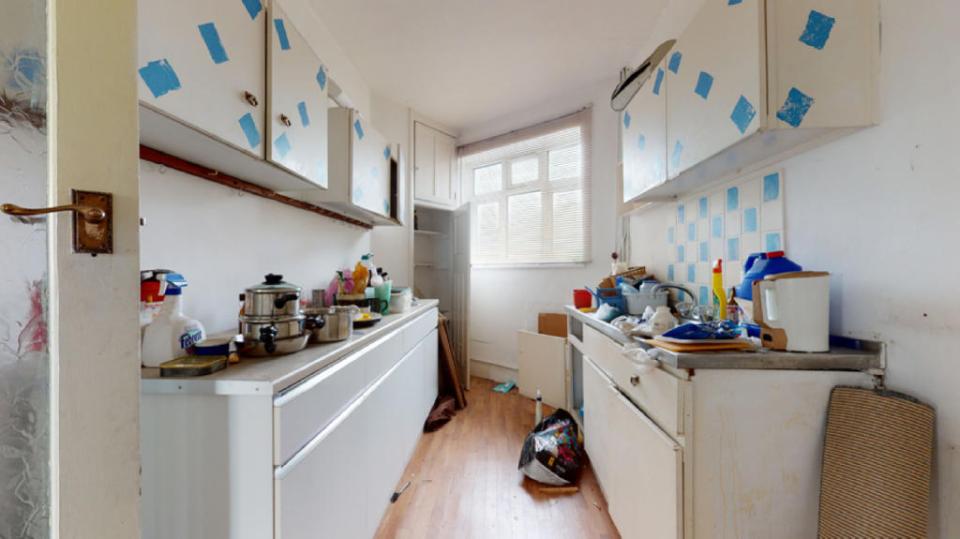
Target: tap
680 287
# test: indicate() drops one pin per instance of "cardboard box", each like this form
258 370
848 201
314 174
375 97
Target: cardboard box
554 324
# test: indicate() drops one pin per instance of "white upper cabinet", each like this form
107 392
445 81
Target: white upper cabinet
297 105
749 81
644 140
436 177
371 159
203 63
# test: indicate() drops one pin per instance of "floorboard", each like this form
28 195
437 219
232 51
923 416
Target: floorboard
464 482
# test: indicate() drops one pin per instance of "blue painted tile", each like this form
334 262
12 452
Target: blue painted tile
249 127
704 295
733 249
304 117
743 113
773 242
658 82
771 187
211 38
704 84
692 232
681 255
670 235
322 78
675 60
750 223
681 213
675 158
704 252
626 119
702 206
281 34
795 107
282 145
716 227
733 199
253 7
670 273
641 142
818 29
358 127
692 273
160 77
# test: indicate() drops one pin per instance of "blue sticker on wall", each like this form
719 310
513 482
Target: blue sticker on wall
771 187
641 142
675 60
386 152
704 295
743 113
253 7
750 221
282 145
675 158
733 199
304 117
773 242
702 206
733 249
692 273
358 127
281 34
704 251
670 235
795 107
322 78
658 82
681 254
250 130
208 31
704 84
692 232
716 227
681 213
670 273
818 29
160 77
626 119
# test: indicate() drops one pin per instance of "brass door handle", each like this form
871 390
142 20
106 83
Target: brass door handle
87 213
285 120
250 99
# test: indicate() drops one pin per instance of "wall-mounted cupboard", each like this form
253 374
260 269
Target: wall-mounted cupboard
747 82
436 181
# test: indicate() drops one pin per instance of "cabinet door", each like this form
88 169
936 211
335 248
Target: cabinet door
715 83
298 102
446 157
197 62
595 420
370 174
424 151
645 497
643 137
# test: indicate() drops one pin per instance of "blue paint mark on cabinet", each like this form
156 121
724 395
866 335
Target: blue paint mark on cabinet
282 34
641 142
734 2
358 127
282 145
322 78
160 77
743 113
675 60
771 187
750 221
254 7
704 84
211 38
304 116
795 107
626 119
818 29
386 152
675 158
658 82
250 130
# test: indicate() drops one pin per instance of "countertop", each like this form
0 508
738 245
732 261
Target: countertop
260 376
867 357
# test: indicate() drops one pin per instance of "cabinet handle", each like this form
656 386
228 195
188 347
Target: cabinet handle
285 120
250 98
635 380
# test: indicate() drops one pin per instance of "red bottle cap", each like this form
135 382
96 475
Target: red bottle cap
775 254
718 266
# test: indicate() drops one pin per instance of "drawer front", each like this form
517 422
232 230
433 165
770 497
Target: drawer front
418 329
658 393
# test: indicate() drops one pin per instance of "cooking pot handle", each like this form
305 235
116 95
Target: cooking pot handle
268 336
316 322
284 299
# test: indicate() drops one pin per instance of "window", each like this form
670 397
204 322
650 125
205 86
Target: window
530 194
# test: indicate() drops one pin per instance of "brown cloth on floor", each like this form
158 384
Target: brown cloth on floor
443 411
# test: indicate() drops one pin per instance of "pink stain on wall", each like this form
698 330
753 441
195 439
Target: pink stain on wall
33 337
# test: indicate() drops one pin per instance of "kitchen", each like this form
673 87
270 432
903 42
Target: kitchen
821 135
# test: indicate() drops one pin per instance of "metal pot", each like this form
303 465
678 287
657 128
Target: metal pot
273 297
279 347
330 324
268 331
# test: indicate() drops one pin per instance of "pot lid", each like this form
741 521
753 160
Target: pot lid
273 283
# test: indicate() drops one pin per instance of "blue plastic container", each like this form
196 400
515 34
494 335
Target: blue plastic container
759 265
610 296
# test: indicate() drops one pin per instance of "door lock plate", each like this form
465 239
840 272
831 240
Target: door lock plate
93 237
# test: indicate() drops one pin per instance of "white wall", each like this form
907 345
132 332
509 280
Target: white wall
224 240
503 301
878 209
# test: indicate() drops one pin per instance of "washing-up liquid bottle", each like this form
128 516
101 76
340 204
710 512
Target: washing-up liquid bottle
719 294
171 334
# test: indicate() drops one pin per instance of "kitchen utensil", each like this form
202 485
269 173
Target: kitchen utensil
793 310
382 293
366 320
662 320
330 324
756 267
272 297
727 346
192 366
582 299
278 347
401 300
638 303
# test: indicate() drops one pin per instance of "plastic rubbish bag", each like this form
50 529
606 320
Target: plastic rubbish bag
553 451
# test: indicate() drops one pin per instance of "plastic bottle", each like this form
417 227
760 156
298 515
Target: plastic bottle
171 334
538 415
719 295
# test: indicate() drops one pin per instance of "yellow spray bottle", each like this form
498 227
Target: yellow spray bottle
719 295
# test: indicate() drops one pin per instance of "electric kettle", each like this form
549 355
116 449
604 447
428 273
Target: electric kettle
793 311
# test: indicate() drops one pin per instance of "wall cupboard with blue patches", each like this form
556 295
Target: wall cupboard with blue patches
749 83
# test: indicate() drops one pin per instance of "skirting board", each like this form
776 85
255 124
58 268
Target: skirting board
490 371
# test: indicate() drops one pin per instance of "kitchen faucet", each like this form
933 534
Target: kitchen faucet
681 288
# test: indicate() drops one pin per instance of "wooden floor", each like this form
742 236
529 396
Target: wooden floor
465 482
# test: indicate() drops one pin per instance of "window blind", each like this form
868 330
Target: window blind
530 194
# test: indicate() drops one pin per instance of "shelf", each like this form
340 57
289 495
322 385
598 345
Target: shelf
429 265
432 233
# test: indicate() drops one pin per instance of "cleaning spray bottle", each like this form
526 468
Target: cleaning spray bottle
171 334
719 295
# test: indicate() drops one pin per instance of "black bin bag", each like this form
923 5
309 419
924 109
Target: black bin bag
553 452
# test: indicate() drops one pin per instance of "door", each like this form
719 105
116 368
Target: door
596 419
461 291
370 167
204 63
297 102
424 157
446 156
69 374
643 137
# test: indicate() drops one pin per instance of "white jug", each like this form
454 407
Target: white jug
793 311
